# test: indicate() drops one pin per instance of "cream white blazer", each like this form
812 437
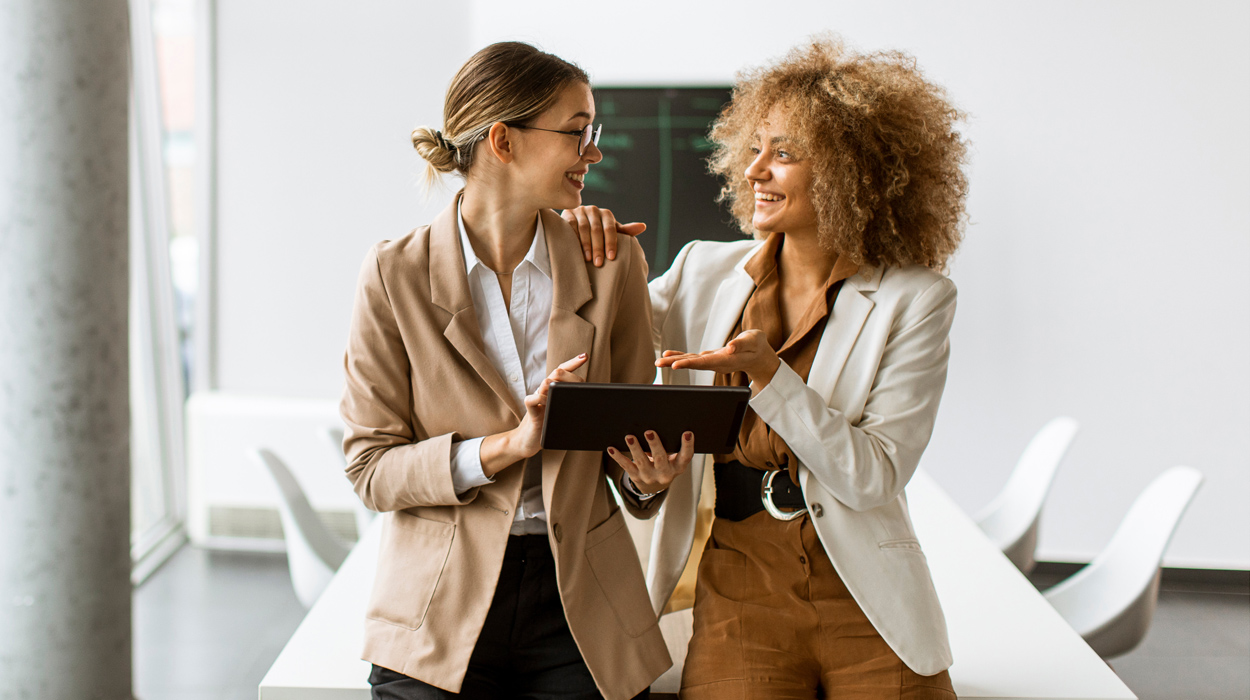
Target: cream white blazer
857 426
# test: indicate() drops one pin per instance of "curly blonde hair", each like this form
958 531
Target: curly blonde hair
887 180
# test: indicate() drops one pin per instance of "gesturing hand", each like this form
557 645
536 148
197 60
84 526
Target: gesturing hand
653 472
749 352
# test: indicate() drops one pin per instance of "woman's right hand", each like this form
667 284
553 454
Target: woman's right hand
597 229
524 441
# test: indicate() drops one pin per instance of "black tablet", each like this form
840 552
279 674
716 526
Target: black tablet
596 416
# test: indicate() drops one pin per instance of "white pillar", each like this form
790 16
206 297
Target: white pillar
64 406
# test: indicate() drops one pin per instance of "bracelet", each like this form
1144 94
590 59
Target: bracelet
632 488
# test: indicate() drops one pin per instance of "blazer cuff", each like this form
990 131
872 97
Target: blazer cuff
426 467
641 508
466 465
770 402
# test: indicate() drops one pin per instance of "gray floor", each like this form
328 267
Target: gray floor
208 626
1198 649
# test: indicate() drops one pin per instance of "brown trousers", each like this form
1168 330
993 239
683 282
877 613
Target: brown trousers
772 619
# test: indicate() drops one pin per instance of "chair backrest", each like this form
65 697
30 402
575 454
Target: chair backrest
1111 588
1017 508
364 517
313 552
334 438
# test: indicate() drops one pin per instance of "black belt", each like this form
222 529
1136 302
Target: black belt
522 547
742 492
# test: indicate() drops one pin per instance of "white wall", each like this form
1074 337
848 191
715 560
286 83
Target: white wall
1105 271
315 104
1104 274
315 101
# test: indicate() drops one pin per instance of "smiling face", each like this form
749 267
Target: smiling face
781 180
548 163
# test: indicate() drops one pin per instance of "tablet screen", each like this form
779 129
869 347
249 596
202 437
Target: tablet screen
596 416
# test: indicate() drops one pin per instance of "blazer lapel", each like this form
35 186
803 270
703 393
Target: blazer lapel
449 290
846 319
568 335
726 309
465 335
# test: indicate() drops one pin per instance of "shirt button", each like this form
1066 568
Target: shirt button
557 531
513 377
817 510
803 560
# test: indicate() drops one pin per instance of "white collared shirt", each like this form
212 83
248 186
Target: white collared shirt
515 337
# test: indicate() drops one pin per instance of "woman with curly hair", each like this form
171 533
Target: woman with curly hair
846 168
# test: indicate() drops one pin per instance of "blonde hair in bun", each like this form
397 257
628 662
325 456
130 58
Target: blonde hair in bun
509 81
437 152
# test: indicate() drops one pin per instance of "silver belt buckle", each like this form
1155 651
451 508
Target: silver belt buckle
766 495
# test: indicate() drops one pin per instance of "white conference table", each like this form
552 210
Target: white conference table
1007 641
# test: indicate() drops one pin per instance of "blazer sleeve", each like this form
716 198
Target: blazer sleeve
388 465
633 360
868 464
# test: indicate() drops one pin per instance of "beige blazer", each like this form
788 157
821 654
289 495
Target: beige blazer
418 379
857 426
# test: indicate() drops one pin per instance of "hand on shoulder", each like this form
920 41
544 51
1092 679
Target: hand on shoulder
599 232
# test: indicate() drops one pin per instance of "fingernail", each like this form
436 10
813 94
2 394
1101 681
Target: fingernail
650 435
687 437
581 356
598 260
629 439
611 450
587 255
612 255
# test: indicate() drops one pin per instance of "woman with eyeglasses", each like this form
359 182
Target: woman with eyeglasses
505 570
847 168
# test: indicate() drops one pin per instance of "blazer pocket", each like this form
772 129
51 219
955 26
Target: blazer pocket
907 545
414 552
614 563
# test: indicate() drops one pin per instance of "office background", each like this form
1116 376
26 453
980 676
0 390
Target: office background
1104 274
266 144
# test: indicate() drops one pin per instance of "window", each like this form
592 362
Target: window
163 267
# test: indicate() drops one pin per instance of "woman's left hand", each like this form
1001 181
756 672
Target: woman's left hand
749 352
652 473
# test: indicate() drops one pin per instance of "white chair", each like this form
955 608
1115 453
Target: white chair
1011 519
364 517
313 553
1111 601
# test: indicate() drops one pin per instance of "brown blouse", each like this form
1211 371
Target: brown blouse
758 446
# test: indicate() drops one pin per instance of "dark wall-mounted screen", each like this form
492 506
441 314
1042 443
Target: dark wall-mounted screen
654 167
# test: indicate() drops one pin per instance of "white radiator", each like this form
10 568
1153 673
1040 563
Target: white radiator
232 504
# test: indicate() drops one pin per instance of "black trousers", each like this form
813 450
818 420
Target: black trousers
525 649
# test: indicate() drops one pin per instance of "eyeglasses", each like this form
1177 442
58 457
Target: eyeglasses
588 135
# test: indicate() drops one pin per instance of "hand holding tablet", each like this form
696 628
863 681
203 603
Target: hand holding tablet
606 416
